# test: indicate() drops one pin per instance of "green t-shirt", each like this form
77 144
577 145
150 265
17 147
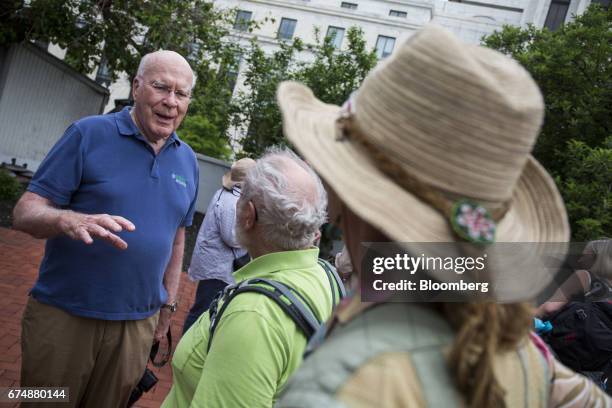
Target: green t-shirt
256 346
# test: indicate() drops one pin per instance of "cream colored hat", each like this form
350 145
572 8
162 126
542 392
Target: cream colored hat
237 172
438 122
457 119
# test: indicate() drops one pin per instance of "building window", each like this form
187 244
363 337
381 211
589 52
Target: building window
242 20
347 5
42 44
603 3
556 14
286 28
384 46
336 34
229 71
489 5
103 75
194 50
233 70
397 13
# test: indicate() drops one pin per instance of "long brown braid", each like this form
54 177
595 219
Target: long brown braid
483 330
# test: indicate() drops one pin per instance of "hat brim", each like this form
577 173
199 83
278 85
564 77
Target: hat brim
536 214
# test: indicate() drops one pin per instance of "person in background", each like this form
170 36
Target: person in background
437 135
577 321
595 265
216 249
112 198
343 264
256 345
598 261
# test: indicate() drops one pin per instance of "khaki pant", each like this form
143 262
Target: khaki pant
99 360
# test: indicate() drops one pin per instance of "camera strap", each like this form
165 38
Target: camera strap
165 356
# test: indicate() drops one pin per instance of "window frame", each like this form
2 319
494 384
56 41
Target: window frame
605 4
286 19
553 22
386 38
335 42
398 13
348 5
241 24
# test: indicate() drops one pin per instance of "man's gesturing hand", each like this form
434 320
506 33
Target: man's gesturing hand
86 227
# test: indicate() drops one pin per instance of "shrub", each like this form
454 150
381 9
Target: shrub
587 190
10 188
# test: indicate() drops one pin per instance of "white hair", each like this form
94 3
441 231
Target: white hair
289 214
146 59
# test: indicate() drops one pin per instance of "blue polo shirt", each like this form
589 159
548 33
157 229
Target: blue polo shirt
102 164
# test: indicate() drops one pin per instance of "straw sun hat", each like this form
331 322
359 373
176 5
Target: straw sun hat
435 146
237 173
438 122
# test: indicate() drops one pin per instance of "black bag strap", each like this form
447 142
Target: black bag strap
276 291
165 356
332 276
296 306
319 336
315 341
600 290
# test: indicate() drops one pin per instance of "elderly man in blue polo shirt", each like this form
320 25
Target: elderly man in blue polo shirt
112 198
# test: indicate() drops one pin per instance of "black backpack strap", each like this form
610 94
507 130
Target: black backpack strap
155 349
319 336
332 276
213 310
303 311
294 308
600 290
316 340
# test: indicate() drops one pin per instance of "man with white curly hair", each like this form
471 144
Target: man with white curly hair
256 346
291 201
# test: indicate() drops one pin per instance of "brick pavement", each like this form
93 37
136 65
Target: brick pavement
20 256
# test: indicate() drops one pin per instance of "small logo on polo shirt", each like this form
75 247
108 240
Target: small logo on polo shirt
179 180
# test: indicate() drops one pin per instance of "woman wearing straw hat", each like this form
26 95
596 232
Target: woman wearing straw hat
216 249
437 123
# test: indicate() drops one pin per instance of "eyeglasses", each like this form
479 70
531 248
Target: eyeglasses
164 90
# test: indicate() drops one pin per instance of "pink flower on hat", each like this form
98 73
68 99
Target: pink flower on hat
473 222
